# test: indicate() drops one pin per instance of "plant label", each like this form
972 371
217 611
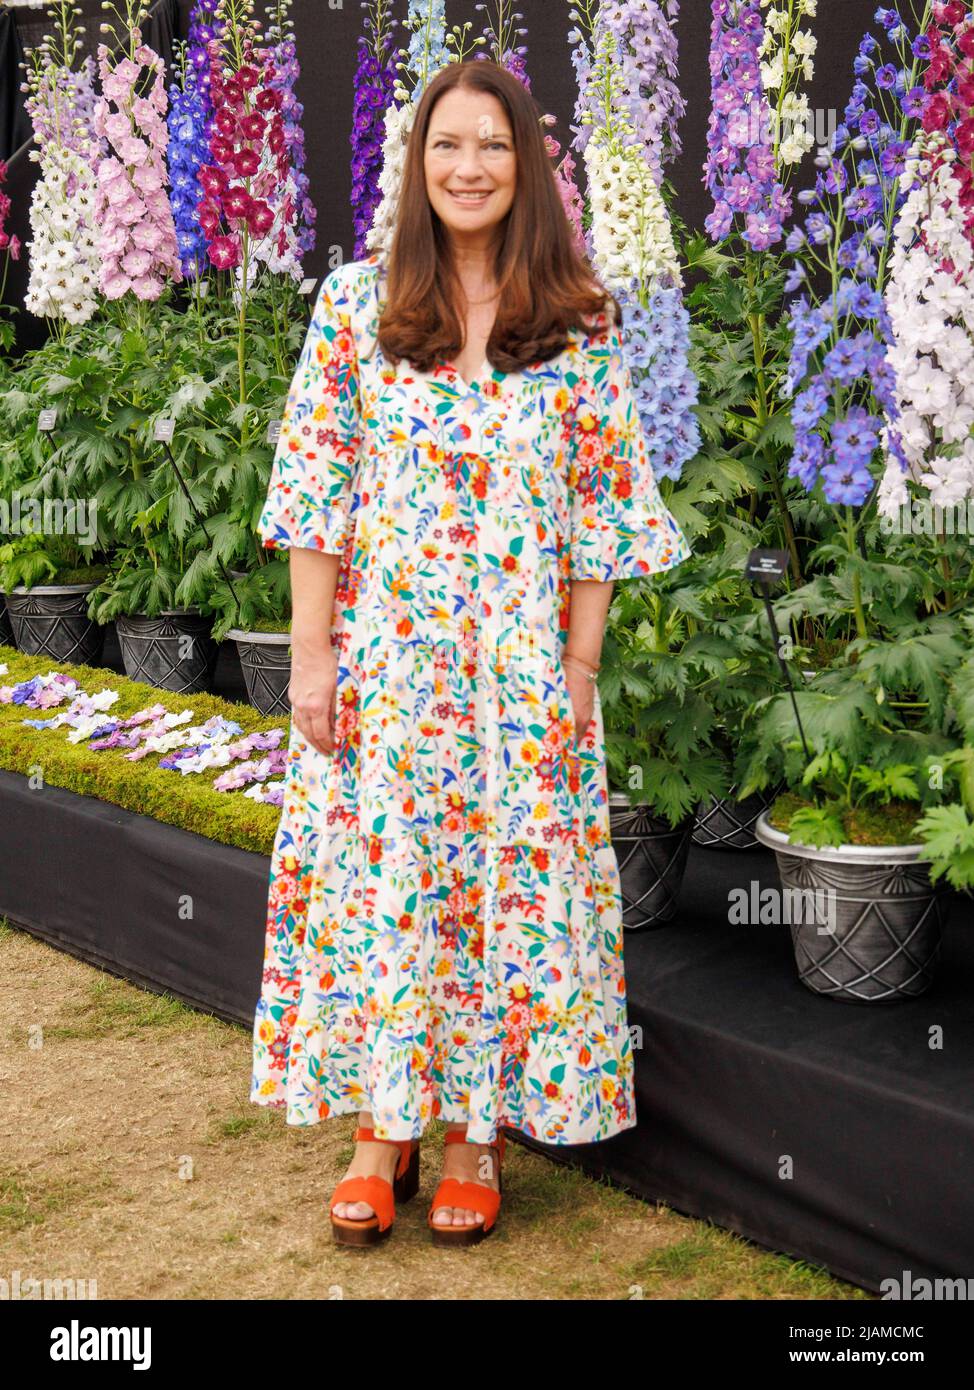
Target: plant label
307 286
274 431
164 431
47 419
766 566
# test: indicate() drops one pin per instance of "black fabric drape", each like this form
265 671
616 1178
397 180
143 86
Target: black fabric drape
14 125
161 29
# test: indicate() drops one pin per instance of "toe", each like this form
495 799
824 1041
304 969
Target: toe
353 1211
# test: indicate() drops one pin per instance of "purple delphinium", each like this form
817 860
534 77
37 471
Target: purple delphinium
740 168
287 71
838 372
373 86
648 90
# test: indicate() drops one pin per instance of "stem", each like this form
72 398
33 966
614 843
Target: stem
859 612
756 322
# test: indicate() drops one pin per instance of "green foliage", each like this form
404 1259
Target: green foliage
169 522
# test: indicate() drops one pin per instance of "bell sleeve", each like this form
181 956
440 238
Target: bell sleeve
310 500
620 526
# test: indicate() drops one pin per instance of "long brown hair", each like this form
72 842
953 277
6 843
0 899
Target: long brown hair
545 286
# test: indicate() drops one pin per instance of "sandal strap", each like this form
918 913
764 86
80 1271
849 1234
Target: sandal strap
470 1196
459 1136
406 1147
371 1189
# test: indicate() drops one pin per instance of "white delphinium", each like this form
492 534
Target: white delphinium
631 231
786 62
63 253
630 234
418 64
398 124
930 298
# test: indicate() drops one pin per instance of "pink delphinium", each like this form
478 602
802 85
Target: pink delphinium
137 236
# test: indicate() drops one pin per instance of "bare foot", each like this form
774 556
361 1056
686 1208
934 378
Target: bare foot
371 1157
469 1163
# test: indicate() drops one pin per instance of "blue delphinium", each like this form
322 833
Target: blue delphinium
189 119
657 347
838 372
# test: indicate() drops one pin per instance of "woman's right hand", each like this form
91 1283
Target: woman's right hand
312 689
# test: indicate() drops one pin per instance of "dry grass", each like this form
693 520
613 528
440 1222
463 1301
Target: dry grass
131 1155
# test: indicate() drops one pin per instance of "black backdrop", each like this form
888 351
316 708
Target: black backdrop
327 50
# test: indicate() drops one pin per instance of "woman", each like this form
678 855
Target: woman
460 478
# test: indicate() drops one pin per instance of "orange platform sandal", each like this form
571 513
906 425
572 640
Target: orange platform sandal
471 1196
381 1195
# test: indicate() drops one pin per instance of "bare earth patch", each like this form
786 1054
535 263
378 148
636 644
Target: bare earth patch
130 1155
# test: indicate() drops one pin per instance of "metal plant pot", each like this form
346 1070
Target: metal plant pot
6 631
265 659
652 857
174 651
723 823
879 935
52 620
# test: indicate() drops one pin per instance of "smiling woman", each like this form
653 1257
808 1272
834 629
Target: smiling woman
461 445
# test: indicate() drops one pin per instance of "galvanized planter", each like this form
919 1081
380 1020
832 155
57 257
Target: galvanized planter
652 857
265 660
174 651
723 823
879 937
52 620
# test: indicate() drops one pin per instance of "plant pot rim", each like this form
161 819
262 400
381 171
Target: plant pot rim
240 634
163 613
774 839
54 588
618 801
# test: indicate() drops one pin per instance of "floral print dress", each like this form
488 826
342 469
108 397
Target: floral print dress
444 928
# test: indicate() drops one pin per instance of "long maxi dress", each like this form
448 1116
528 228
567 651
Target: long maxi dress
444 925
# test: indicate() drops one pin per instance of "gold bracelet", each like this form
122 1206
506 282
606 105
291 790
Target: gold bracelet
570 656
591 673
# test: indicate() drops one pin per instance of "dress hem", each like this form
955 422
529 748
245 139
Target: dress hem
356 1108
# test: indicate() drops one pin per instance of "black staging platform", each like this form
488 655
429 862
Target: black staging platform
828 1131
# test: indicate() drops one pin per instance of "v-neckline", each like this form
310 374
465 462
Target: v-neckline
484 370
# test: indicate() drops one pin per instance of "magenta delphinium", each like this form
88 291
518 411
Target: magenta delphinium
8 243
949 82
248 148
740 168
373 85
136 234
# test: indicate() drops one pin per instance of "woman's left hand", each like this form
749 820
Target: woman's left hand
582 692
